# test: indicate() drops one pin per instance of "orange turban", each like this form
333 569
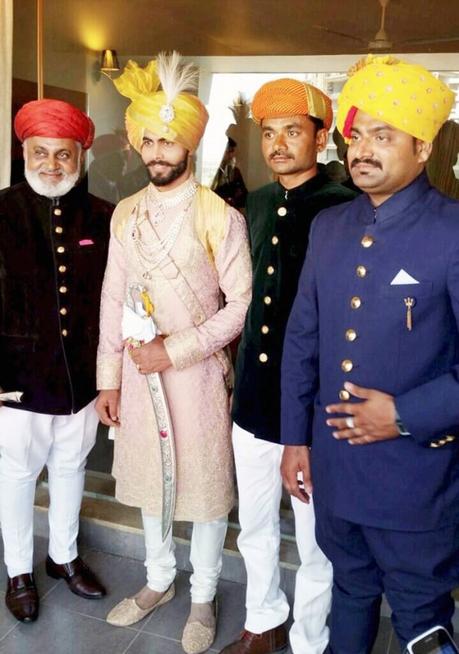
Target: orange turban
171 112
290 97
54 119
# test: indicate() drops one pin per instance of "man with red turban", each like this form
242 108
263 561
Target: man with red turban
53 245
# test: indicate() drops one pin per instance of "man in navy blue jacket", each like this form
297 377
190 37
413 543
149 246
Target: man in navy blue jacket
370 370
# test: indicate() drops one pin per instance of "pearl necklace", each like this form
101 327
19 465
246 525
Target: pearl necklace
161 204
152 256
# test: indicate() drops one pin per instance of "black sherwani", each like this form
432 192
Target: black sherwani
279 222
52 260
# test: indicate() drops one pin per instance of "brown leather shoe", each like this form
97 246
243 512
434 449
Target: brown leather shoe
80 578
22 598
268 642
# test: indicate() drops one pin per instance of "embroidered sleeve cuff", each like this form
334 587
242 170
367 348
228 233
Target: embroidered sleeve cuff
109 370
184 348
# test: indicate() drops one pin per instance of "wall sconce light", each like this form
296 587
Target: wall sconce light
109 63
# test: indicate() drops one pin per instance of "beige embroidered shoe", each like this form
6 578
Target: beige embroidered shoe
199 632
128 612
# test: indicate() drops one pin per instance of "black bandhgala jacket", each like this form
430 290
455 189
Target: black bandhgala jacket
279 223
52 261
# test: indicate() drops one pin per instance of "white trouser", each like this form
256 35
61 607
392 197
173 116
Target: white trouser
260 490
28 442
206 553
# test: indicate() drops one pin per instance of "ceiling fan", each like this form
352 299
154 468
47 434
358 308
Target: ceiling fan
381 41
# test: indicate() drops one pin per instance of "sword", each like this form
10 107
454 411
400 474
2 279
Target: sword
138 320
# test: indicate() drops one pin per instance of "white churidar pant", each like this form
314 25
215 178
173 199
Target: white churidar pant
260 491
206 553
28 442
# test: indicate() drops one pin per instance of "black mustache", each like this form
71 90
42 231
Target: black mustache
281 154
369 162
160 162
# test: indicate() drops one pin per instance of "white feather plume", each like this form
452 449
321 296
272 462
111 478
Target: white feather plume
175 76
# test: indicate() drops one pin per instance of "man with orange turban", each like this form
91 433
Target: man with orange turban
294 119
176 249
53 245
370 370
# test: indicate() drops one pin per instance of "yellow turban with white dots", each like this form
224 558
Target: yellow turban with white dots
169 112
403 95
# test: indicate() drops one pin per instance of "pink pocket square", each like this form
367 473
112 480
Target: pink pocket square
86 241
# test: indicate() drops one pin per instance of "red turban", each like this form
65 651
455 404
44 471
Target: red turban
54 119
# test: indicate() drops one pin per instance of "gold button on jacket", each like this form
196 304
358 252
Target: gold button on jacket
367 241
356 302
351 335
361 271
346 365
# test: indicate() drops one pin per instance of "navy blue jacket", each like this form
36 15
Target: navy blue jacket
410 483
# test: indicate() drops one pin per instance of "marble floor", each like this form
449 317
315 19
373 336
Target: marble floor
71 625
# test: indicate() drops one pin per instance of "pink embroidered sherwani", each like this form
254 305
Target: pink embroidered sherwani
212 253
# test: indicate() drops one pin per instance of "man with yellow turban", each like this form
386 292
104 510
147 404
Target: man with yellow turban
53 248
370 371
294 119
177 250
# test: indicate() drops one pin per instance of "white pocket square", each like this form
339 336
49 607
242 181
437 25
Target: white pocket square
402 277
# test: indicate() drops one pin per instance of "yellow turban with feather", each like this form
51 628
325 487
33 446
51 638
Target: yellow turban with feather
170 112
403 95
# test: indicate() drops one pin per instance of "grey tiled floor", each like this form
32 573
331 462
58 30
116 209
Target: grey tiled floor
71 625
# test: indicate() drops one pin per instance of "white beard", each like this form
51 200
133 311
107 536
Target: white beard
49 189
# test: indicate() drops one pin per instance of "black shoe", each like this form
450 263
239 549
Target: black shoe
22 597
268 642
80 578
